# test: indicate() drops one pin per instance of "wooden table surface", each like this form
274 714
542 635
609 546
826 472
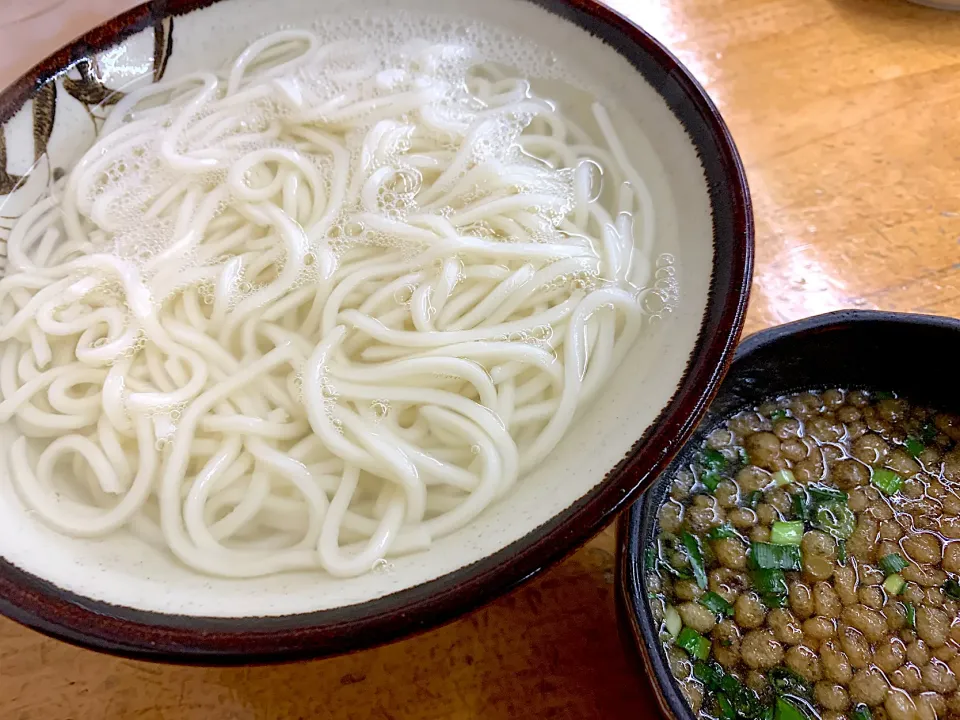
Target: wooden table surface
847 113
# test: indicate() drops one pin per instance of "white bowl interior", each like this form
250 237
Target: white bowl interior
123 570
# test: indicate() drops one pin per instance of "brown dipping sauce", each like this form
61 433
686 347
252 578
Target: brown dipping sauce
808 563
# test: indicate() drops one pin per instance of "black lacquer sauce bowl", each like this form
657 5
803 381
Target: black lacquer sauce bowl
912 355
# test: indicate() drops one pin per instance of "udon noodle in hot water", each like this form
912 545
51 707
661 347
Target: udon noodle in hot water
319 308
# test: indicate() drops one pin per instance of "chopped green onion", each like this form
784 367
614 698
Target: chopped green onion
887 480
650 558
951 588
783 477
716 604
861 712
753 499
800 510
713 460
787 533
786 710
730 685
824 493
911 614
726 708
742 455
745 701
894 584
842 552
709 673
672 620
695 554
787 682
711 480
770 580
778 414
892 564
721 532
835 519
694 643
914 446
766 556
773 600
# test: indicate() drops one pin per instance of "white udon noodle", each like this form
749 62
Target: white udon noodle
317 309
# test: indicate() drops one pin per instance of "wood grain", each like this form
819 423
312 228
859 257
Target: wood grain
845 112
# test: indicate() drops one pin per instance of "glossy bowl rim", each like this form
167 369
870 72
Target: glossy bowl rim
129 632
630 595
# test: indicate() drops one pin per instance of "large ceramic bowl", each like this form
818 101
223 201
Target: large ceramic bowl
912 355
120 595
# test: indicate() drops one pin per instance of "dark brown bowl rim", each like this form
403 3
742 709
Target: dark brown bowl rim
631 598
128 632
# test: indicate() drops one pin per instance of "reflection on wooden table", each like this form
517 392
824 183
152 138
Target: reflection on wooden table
845 112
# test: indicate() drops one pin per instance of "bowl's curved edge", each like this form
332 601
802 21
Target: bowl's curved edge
202 640
102 37
633 614
830 320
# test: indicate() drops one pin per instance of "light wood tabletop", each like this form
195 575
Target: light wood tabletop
847 113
